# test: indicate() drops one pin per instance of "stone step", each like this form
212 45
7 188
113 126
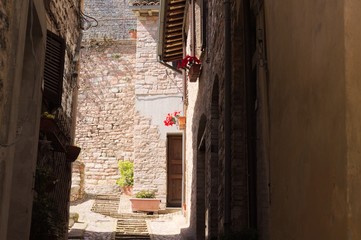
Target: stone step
131 229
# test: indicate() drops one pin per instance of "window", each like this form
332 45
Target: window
53 70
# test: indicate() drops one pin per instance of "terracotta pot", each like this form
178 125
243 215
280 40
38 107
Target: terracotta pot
127 190
145 204
181 122
194 72
72 153
133 34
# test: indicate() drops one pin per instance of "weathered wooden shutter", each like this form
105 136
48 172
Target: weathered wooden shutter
53 70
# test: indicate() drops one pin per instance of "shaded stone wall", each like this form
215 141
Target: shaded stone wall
63 19
206 106
314 119
6 84
23 26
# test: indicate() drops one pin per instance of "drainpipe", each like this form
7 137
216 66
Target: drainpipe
193 29
75 77
227 114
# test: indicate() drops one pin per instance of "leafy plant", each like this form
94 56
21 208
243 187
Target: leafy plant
126 169
145 194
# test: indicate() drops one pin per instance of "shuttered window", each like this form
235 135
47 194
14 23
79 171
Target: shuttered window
53 70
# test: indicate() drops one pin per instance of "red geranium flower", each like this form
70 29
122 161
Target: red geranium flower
171 118
188 61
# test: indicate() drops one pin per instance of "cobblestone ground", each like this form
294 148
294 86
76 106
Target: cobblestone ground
97 226
100 227
166 229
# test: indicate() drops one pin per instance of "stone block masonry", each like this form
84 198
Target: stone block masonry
158 91
121 90
114 20
151 77
106 108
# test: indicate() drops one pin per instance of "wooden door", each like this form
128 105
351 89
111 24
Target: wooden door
174 186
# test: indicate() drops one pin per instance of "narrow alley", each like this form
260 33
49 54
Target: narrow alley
226 119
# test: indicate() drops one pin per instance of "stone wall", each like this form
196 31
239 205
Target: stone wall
64 20
4 42
124 97
114 20
106 112
5 88
77 181
206 109
158 91
151 77
23 25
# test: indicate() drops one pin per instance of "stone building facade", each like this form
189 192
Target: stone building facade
125 94
27 28
274 136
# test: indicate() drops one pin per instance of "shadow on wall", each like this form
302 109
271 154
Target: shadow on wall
151 26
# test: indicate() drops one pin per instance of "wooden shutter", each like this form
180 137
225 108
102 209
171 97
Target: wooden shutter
53 70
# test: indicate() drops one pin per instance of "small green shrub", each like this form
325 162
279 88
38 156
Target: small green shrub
145 194
126 169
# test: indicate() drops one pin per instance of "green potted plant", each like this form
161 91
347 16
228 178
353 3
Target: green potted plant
145 201
126 180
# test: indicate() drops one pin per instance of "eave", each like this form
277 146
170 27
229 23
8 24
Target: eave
146 10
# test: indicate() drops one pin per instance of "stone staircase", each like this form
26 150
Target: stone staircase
129 225
130 228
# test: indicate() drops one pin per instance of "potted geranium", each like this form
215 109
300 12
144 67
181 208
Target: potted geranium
126 180
193 64
145 201
175 118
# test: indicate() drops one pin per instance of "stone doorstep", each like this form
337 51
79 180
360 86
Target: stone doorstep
77 231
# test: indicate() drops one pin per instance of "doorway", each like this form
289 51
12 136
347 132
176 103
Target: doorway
174 171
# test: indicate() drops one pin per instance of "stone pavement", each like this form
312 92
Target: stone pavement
93 225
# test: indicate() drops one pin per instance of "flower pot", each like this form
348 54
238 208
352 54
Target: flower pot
127 190
181 122
133 34
194 72
145 204
72 153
